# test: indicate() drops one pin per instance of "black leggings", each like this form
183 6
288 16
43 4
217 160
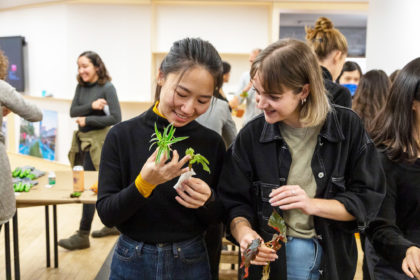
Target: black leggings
88 209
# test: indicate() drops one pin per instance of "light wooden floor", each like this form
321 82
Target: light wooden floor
80 264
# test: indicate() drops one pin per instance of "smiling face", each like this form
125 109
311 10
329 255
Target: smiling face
182 101
87 70
350 77
278 107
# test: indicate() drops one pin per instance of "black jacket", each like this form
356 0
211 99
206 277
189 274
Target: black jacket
346 168
336 93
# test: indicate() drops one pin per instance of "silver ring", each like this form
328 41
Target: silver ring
293 192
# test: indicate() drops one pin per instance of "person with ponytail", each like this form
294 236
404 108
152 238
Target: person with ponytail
331 49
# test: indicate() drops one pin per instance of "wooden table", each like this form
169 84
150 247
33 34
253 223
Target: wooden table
40 195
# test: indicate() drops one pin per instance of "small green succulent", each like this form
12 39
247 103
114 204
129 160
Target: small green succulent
164 141
197 158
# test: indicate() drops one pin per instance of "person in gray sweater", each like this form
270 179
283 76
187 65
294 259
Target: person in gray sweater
96 108
10 101
218 118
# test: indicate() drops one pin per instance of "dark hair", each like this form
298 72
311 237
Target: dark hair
277 68
395 123
226 67
188 53
394 75
350 66
370 96
96 60
4 65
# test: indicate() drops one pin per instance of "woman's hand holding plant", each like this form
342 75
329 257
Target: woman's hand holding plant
159 173
244 234
194 193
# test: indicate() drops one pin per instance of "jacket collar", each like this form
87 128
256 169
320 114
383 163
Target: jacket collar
326 74
331 130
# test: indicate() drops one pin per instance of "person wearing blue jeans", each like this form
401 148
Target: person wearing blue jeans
163 227
310 161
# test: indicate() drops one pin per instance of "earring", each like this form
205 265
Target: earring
303 101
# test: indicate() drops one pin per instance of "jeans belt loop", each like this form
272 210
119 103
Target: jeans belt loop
175 250
139 248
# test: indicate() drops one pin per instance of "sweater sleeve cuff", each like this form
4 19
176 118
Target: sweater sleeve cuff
144 187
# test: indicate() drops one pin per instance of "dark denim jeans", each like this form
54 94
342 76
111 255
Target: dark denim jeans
303 257
168 261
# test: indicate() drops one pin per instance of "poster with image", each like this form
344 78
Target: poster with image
38 139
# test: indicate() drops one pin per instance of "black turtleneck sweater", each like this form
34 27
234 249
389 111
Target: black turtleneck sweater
158 218
81 106
337 94
397 226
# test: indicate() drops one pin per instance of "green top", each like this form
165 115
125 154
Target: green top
301 143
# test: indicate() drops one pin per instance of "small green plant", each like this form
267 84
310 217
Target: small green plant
197 158
75 194
164 141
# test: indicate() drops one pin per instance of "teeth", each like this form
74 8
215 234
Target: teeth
182 117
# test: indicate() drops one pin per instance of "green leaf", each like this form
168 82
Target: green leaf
205 167
277 222
159 154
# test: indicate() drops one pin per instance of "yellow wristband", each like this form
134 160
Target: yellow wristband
144 187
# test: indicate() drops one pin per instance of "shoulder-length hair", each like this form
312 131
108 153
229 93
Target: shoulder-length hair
95 59
395 124
291 64
370 96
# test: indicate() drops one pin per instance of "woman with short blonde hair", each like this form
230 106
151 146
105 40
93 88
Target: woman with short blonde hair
309 161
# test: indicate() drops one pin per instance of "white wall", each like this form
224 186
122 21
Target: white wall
57 34
392 34
121 36
231 29
44 29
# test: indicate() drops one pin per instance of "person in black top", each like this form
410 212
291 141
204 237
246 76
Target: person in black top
96 108
330 46
162 227
395 234
310 161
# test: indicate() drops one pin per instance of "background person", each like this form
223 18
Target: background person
331 48
246 93
350 76
310 161
162 228
395 234
371 96
96 108
10 101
